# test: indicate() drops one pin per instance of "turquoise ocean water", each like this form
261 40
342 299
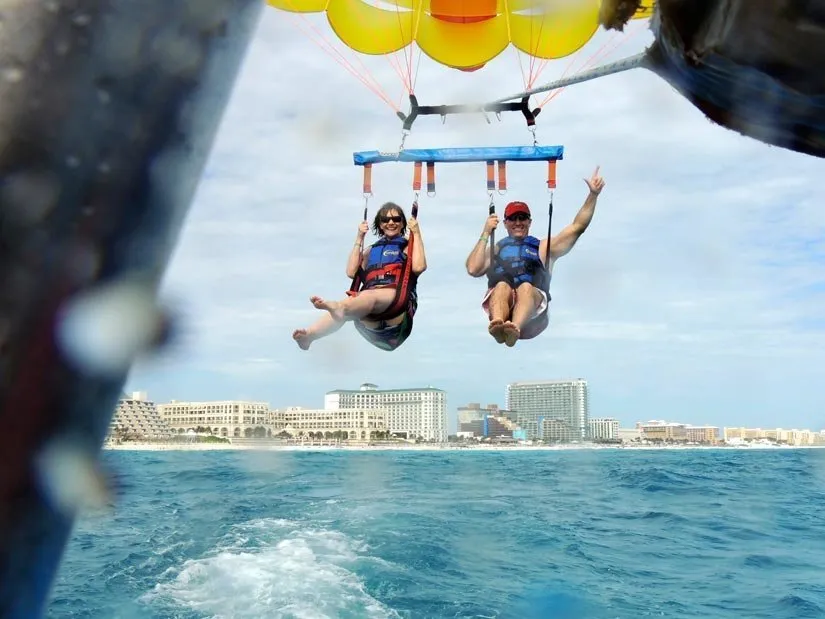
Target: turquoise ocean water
523 535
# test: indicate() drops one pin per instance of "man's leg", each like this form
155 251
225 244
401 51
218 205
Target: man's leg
499 304
528 300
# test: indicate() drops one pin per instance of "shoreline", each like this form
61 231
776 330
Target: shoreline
437 447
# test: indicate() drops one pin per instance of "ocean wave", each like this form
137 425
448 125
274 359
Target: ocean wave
274 568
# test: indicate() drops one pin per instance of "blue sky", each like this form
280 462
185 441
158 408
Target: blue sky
697 294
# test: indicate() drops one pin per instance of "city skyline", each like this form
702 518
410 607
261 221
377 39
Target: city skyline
369 414
453 411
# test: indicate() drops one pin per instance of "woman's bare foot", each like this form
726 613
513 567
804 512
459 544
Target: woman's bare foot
303 338
496 329
511 333
333 307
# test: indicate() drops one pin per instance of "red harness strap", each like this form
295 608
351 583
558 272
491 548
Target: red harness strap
402 289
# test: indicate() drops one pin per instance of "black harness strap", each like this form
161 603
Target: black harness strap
549 237
492 241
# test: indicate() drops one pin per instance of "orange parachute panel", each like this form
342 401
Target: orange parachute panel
462 34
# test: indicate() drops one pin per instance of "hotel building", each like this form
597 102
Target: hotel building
551 410
488 422
344 423
672 432
410 413
473 413
137 417
603 429
776 435
227 418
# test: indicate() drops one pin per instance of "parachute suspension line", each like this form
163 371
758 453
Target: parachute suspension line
533 50
521 67
395 63
405 73
411 79
603 52
415 74
408 75
339 57
571 63
631 62
587 63
545 62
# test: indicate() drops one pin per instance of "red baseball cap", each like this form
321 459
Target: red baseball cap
516 207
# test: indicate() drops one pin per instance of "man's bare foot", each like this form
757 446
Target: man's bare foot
303 338
333 307
511 333
496 329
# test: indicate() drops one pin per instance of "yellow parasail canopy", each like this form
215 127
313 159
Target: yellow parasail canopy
462 34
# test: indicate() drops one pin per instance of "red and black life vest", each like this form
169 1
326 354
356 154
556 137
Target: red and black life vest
387 267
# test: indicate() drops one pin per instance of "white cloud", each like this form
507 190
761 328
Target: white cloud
695 295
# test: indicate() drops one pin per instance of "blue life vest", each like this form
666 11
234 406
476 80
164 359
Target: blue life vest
517 262
385 263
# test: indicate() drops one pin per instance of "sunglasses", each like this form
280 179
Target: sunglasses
396 219
518 217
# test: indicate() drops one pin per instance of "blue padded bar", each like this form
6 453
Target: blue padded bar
459 155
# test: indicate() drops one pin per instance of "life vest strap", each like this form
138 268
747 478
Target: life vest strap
402 288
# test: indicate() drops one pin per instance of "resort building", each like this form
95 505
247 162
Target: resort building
774 435
473 412
603 429
226 418
419 413
490 422
629 435
550 410
136 417
673 432
344 423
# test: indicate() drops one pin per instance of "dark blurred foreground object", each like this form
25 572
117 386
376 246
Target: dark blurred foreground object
754 66
108 109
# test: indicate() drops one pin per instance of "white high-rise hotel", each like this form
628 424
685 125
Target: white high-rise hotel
410 412
604 428
553 410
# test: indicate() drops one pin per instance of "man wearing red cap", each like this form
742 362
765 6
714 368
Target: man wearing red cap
518 281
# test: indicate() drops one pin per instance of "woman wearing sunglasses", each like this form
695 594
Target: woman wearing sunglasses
518 284
384 303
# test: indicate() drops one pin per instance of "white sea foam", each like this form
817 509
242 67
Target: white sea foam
275 568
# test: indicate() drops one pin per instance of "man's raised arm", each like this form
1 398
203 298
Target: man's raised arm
564 241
